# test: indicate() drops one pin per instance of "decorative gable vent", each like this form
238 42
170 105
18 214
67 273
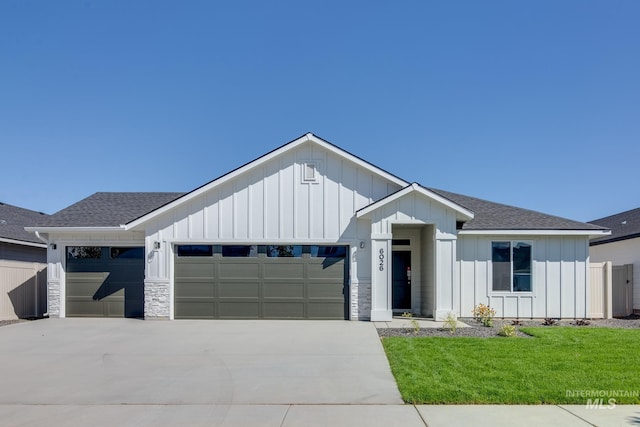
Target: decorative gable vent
310 172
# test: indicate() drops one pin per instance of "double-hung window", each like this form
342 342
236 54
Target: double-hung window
511 266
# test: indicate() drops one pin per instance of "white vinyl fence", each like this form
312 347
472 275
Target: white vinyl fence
600 282
23 289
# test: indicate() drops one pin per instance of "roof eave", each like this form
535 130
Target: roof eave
465 214
22 242
615 239
75 229
535 232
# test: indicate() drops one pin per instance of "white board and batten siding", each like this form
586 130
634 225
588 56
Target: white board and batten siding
559 284
273 204
414 208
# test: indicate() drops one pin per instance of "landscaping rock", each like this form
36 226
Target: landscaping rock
476 329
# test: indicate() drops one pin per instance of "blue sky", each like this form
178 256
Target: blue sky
529 103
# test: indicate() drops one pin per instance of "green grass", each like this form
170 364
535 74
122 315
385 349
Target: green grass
517 370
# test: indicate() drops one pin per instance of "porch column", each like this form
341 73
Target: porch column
447 298
381 278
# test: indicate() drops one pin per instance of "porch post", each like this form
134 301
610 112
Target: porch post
446 294
381 278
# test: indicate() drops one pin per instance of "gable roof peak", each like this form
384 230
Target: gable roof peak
308 137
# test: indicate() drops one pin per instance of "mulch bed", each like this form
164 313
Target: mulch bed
478 331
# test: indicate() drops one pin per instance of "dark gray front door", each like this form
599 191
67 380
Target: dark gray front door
401 280
104 281
253 282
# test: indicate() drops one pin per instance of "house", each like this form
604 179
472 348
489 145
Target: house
22 265
622 248
311 231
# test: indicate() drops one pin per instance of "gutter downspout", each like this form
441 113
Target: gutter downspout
42 238
45 314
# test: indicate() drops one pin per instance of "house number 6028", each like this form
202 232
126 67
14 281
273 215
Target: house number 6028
381 260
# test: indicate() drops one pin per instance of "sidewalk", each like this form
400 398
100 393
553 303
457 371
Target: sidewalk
317 415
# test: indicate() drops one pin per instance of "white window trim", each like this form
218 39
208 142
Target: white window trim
511 292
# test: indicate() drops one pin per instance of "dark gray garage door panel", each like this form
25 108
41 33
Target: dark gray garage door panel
82 288
260 287
110 283
195 297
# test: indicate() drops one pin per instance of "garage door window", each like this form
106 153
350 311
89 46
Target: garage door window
328 251
127 253
286 251
195 250
240 251
84 252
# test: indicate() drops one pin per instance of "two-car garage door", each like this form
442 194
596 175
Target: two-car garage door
260 282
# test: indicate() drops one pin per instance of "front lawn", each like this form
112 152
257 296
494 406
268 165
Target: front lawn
543 369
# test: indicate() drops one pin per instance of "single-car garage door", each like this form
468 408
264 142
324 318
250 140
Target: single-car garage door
104 281
260 282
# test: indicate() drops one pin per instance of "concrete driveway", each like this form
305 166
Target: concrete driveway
134 362
131 373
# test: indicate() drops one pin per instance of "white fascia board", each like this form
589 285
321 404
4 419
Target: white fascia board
466 213
75 229
358 161
590 233
258 162
22 242
249 242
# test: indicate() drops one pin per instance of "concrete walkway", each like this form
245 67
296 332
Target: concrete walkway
402 323
120 372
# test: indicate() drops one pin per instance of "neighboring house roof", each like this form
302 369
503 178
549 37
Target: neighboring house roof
107 210
624 225
12 222
496 216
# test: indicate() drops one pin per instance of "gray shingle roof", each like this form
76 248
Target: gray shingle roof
107 209
13 220
114 209
624 225
496 216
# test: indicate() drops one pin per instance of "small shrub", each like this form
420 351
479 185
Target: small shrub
507 331
484 314
582 322
516 323
451 322
412 322
549 321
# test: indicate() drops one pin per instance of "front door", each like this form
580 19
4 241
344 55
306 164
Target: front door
401 281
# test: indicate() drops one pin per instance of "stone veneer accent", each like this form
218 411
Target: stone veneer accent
360 301
156 300
53 299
